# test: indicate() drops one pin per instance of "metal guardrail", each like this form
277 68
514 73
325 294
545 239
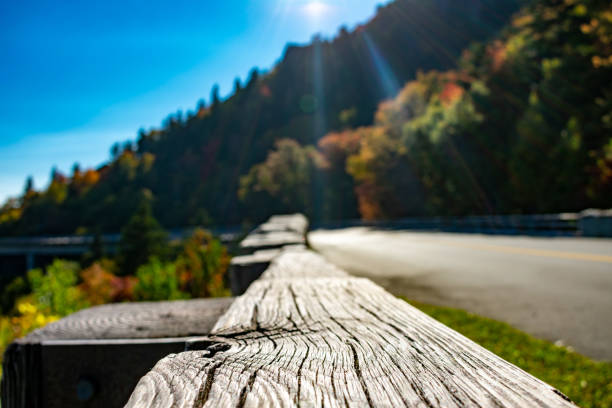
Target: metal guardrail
32 249
225 234
588 223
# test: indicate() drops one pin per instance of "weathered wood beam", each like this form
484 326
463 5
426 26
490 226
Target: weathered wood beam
95 357
308 334
270 240
277 232
296 222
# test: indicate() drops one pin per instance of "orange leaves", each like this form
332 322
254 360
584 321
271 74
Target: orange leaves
378 154
369 203
497 53
91 177
101 286
337 146
202 265
451 93
410 102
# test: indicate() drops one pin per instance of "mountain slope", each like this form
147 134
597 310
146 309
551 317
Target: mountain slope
192 165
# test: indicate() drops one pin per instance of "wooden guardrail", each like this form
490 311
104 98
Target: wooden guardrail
306 333
95 357
262 245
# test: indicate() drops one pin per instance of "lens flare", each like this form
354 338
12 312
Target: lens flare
389 83
316 9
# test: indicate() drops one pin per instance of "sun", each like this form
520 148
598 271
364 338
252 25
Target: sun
316 9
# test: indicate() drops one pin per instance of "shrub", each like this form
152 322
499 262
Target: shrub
101 286
54 295
14 290
203 264
158 281
55 292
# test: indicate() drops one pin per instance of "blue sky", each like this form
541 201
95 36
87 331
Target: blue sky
77 76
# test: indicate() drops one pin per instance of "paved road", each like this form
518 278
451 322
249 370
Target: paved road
553 288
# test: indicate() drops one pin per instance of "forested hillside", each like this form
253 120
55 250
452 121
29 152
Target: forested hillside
193 165
523 125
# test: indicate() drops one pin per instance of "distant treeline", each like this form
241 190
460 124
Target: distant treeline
518 124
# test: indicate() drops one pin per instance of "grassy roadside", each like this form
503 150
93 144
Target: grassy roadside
588 383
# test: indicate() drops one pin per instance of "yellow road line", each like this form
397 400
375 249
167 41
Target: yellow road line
580 256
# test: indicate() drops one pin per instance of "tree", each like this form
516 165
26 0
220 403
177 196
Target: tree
214 96
128 146
29 186
203 262
55 173
115 150
141 141
284 183
141 238
339 197
76 170
253 78
58 188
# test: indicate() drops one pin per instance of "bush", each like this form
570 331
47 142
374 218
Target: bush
54 295
102 286
203 265
158 281
29 316
14 290
55 292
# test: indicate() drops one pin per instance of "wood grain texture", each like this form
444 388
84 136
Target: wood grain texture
279 231
181 318
271 240
307 334
294 222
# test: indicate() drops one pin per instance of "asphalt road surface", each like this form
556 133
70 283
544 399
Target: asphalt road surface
558 289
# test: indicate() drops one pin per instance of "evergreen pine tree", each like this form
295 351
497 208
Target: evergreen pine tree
141 238
214 96
29 186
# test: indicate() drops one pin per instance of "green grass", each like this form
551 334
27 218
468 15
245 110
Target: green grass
588 383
